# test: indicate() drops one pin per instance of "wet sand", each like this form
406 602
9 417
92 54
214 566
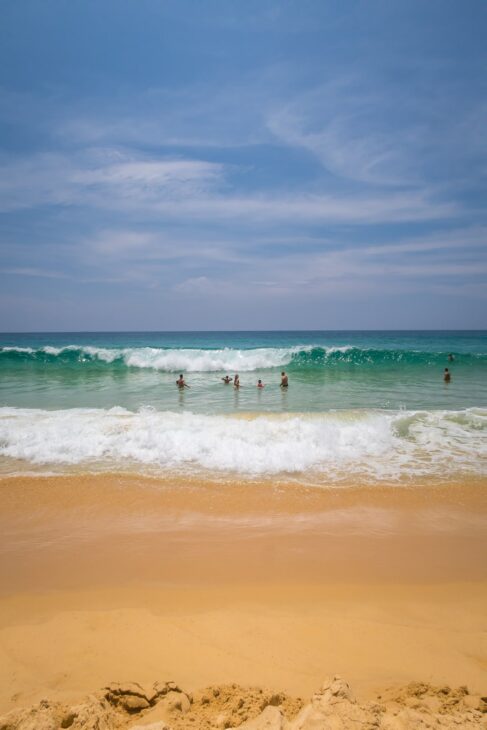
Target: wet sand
112 577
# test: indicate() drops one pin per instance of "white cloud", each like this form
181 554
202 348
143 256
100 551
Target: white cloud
35 272
175 189
368 129
101 178
342 147
196 285
149 174
312 208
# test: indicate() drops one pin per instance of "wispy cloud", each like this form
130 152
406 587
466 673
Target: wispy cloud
367 129
31 271
189 268
176 188
101 178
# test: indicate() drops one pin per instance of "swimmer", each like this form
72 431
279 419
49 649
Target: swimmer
284 380
236 381
451 357
227 379
447 376
260 384
180 382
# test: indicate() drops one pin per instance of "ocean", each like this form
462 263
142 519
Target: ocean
361 406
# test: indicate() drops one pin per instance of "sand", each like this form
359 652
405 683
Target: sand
118 578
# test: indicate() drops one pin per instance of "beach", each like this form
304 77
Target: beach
128 579
166 556
243 365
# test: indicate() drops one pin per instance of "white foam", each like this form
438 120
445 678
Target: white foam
192 360
336 348
17 349
101 353
379 444
186 360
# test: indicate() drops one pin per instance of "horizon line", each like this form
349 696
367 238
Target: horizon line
226 331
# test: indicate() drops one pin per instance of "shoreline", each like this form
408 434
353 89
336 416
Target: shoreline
332 447
86 531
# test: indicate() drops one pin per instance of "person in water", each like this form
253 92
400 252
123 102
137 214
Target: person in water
236 381
447 376
450 357
260 384
180 382
227 379
284 380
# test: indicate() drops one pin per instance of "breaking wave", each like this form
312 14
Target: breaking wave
226 359
169 360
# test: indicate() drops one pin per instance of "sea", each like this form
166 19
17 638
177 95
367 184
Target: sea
361 407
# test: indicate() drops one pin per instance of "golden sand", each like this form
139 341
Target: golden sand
117 578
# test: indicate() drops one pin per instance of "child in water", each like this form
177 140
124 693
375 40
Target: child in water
260 384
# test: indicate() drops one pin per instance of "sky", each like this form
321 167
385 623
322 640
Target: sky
250 164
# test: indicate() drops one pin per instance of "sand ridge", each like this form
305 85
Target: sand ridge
165 706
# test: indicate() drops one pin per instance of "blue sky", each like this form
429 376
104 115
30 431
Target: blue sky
180 164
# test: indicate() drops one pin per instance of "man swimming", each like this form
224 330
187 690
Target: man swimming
180 382
284 380
227 379
447 376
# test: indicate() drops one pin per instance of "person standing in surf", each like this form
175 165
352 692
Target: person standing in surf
284 380
181 383
447 376
236 381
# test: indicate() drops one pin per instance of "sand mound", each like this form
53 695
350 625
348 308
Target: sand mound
166 707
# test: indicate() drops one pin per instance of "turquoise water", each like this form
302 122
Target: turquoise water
361 402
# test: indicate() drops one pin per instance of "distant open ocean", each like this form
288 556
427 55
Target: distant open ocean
361 406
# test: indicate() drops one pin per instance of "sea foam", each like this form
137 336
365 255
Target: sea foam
373 444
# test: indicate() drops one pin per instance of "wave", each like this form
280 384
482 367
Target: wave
375 357
226 359
372 444
169 360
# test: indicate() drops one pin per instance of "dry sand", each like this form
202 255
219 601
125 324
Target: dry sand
119 578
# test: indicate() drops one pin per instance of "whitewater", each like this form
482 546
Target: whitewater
372 445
